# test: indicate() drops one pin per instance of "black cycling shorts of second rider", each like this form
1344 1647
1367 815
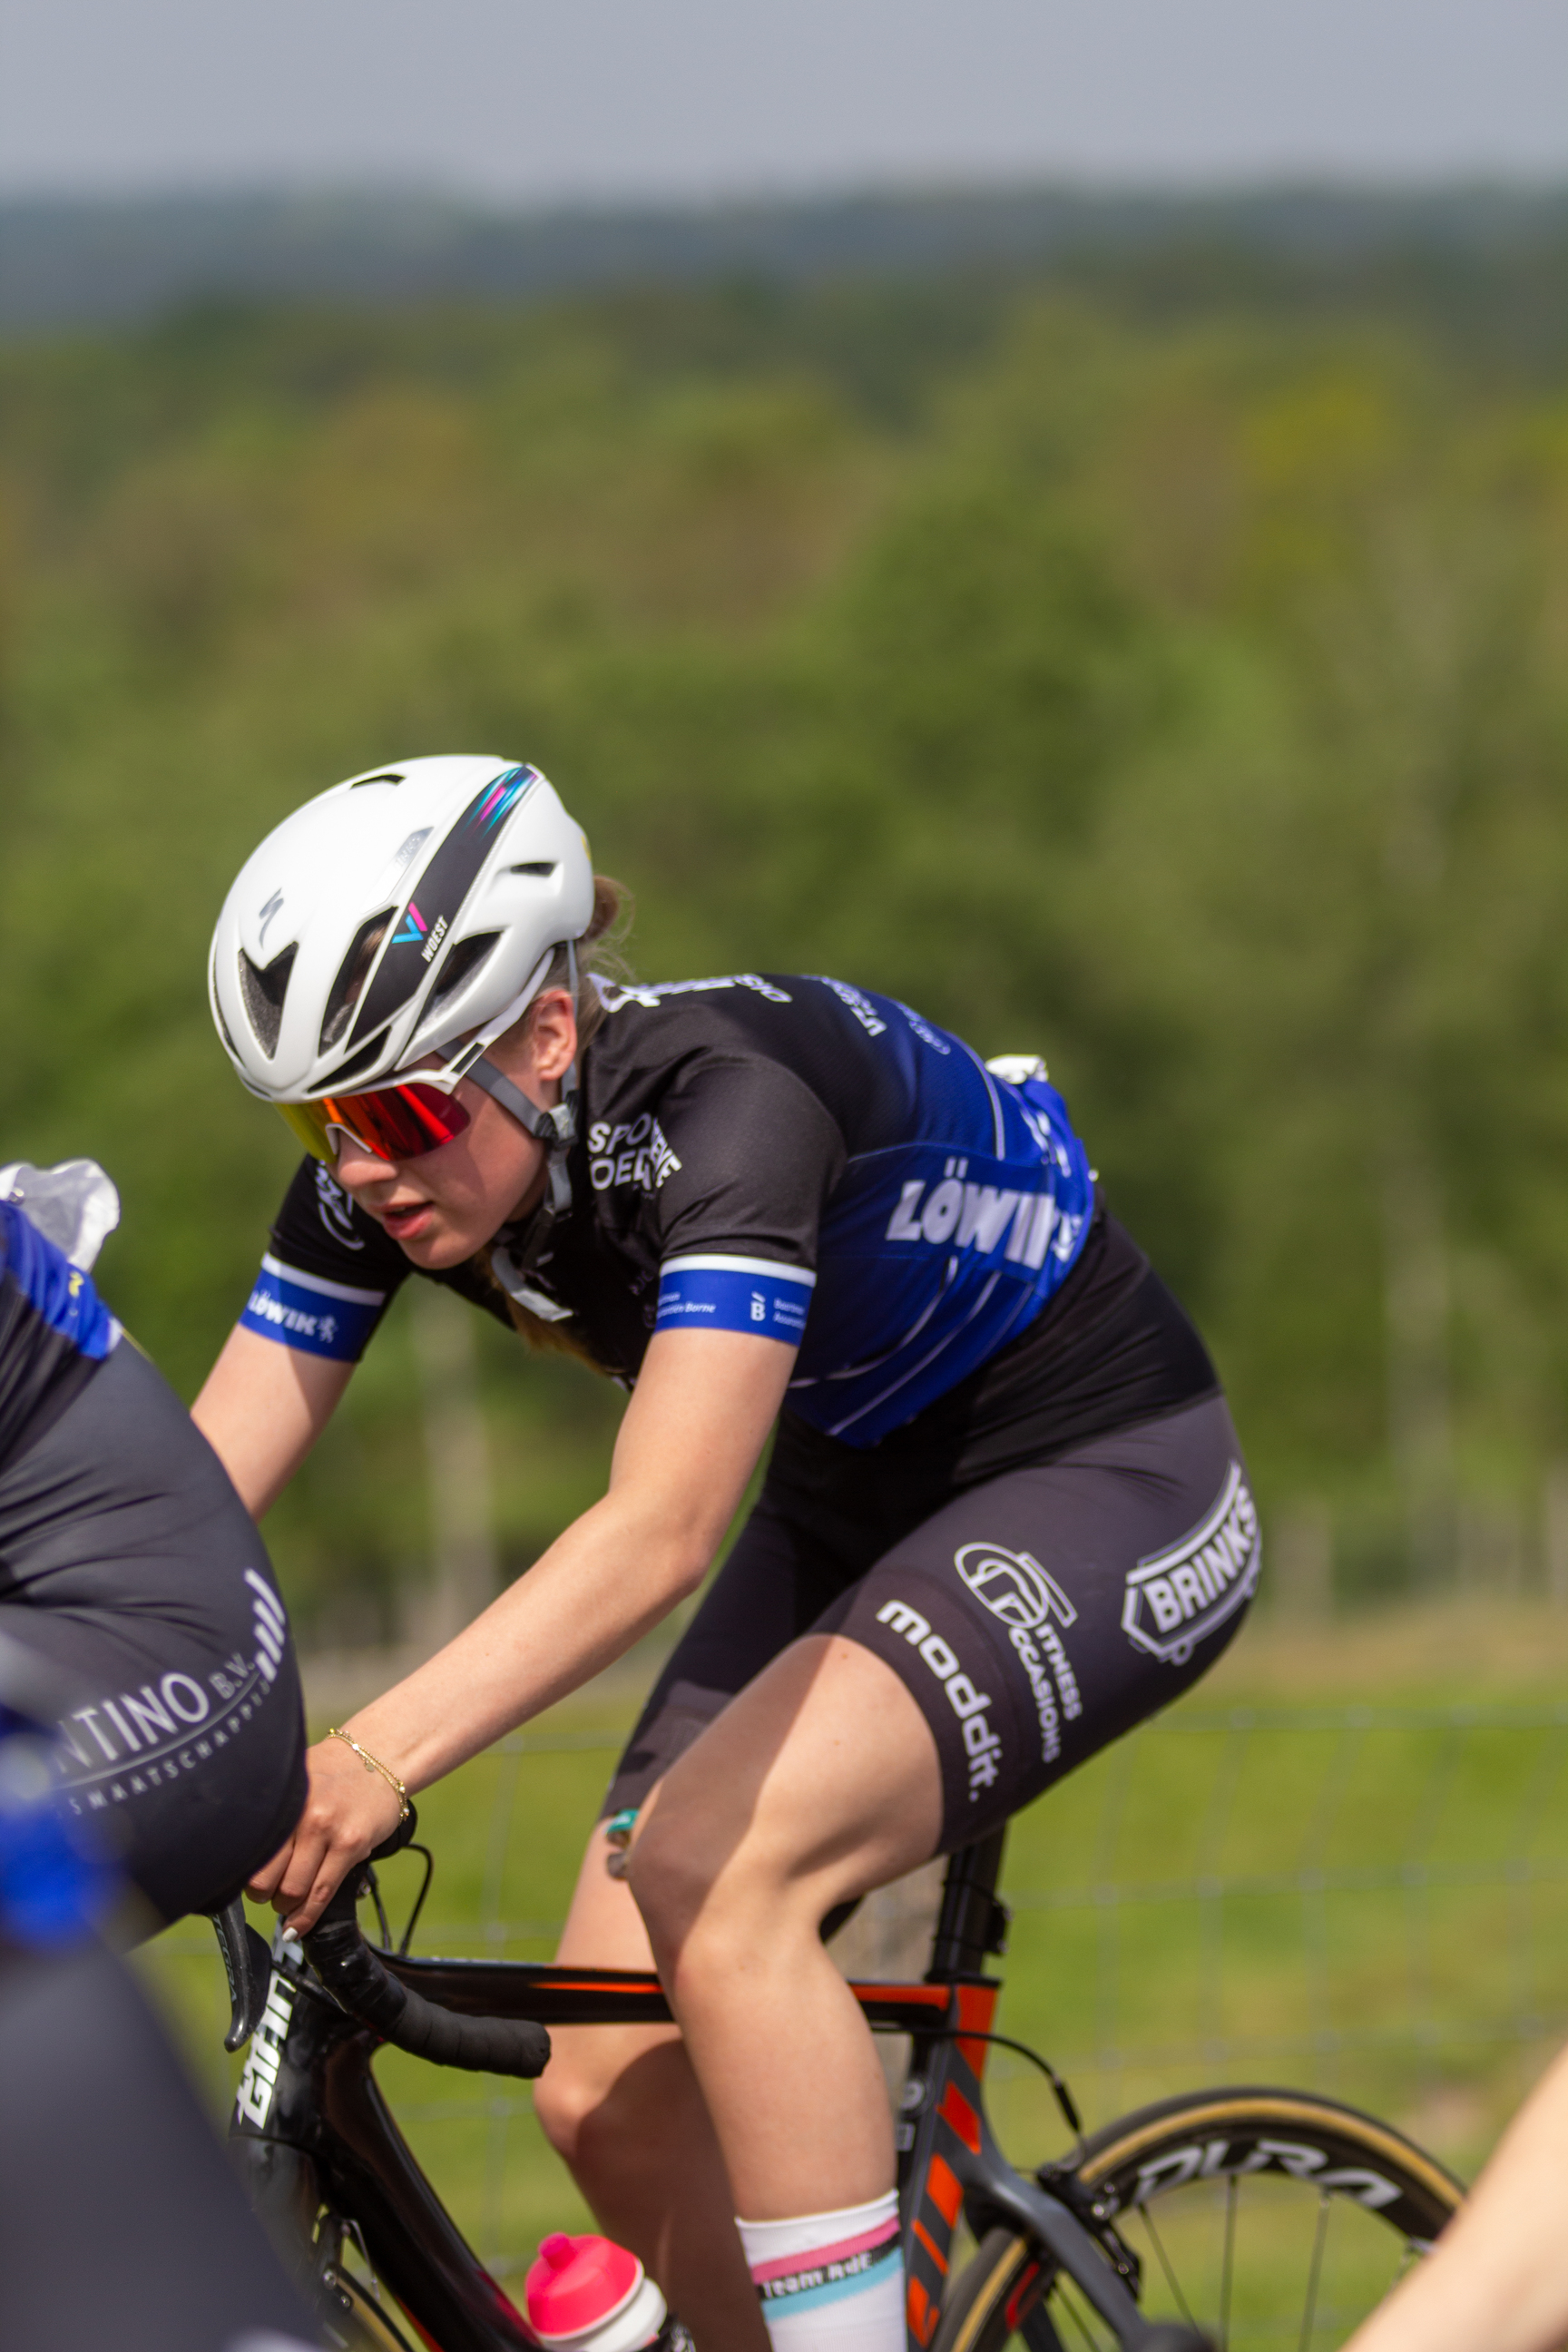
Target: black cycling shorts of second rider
130 1566
1033 1617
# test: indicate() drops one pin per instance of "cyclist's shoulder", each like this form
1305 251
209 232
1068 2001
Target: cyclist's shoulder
45 1294
55 1331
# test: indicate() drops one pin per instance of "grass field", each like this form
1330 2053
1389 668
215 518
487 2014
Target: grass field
1341 1863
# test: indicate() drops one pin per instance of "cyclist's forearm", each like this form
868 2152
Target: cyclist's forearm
607 1580
688 1443
1497 2275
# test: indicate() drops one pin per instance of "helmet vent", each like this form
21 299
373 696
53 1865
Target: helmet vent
263 988
349 985
364 1060
390 777
539 869
462 962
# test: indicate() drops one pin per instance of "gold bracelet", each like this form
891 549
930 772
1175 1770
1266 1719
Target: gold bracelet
373 1764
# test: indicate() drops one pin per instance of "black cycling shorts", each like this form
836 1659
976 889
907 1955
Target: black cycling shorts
129 1564
1034 1618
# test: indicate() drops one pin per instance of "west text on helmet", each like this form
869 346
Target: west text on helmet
984 1748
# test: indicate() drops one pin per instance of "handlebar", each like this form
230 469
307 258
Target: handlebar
352 1971
358 1980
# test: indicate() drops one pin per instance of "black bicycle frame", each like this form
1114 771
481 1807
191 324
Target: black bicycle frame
311 2129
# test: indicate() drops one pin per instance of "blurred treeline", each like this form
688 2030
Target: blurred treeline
1185 697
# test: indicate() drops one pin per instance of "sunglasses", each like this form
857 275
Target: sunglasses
412 1115
397 1122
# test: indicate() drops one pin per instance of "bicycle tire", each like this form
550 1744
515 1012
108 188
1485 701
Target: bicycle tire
1309 2163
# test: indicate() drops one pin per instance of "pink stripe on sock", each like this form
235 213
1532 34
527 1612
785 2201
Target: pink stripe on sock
812 2257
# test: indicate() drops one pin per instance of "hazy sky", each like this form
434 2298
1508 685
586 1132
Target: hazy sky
610 98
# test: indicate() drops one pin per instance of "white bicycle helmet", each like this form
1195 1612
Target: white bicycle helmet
388 916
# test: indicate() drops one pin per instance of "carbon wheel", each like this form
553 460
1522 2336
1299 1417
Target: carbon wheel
1270 2220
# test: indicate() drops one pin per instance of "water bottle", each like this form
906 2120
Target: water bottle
588 2294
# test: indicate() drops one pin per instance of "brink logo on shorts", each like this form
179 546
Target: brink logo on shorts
968 1704
1173 1601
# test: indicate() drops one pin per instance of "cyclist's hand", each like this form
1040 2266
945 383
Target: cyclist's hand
348 1811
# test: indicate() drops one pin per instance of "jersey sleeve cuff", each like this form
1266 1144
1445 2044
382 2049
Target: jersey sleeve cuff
306 1312
706 1292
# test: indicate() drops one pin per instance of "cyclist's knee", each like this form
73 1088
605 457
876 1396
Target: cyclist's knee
565 2099
582 2094
704 1895
670 1878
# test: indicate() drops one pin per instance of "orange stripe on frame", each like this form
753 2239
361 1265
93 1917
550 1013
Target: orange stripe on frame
976 2008
956 2111
933 2249
943 2188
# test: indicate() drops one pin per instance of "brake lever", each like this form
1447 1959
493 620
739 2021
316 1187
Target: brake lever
248 1964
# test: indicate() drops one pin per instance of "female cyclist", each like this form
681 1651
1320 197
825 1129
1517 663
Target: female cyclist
1005 1515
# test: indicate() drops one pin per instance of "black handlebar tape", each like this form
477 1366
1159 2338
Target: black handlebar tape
352 1971
408 1828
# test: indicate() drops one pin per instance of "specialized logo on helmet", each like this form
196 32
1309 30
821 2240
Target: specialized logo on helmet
1176 1599
274 906
1012 1585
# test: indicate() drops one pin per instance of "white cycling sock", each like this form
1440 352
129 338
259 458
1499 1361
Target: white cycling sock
831 2282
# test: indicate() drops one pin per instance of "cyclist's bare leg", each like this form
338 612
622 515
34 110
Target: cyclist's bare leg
622 2106
820 1780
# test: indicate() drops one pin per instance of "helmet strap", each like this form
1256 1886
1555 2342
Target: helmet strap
557 1128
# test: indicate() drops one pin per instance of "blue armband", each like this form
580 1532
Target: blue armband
735 1293
307 1312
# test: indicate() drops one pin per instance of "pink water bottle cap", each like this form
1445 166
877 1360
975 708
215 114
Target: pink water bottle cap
578 2283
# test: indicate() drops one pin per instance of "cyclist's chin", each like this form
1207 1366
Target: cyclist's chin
435 1239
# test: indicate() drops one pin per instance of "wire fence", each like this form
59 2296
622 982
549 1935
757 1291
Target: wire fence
1369 1901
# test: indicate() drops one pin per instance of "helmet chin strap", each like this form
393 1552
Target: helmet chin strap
556 1129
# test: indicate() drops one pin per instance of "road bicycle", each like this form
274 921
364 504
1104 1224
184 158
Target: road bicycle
1237 2218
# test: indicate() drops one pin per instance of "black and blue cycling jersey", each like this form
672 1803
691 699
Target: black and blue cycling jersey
132 1580
53 1329
814 1162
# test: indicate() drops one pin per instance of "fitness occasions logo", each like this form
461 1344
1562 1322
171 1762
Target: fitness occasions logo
1013 1586
1177 1598
1026 1596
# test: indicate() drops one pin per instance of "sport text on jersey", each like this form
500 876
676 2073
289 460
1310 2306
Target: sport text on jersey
634 1151
1176 1599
